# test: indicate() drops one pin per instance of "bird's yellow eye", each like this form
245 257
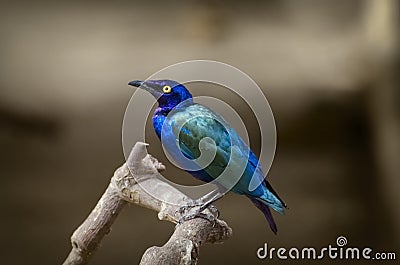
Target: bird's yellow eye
167 89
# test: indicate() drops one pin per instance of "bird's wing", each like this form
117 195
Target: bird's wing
195 122
255 169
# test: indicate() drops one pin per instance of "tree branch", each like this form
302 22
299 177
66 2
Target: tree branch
182 247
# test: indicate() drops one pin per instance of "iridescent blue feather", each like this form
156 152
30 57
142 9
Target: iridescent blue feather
183 123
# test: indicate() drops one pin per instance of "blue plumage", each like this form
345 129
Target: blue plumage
180 120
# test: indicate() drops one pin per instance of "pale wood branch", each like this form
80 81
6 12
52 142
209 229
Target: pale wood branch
152 193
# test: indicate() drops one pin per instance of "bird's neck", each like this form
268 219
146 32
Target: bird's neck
158 121
161 113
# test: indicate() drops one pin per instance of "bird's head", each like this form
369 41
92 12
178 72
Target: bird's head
168 93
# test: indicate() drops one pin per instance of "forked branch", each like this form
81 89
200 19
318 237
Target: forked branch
181 248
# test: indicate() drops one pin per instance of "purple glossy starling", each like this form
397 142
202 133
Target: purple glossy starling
178 112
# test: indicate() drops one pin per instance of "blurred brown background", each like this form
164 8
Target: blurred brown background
328 68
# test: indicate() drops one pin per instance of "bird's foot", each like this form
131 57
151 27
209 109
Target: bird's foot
193 210
209 217
214 210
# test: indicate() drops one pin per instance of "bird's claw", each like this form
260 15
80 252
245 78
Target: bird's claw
209 217
191 211
214 210
183 210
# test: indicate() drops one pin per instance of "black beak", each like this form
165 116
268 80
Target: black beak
146 86
135 83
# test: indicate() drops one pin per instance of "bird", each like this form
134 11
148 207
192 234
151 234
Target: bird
177 111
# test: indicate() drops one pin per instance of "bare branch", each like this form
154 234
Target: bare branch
88 236
183 246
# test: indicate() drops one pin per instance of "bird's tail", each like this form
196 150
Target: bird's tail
269 199
267 213
272 199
